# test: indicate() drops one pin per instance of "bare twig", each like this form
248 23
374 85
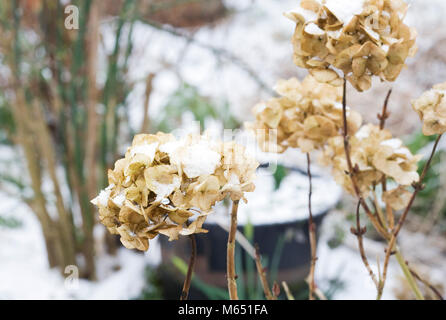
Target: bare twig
352 170
384 115
311 231
232 283
149 87
359 232
418 187
262 274
426 283
190 270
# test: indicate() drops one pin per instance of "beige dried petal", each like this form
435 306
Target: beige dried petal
326 76
342 34
162 182
385 161
397 199
359 66
431 107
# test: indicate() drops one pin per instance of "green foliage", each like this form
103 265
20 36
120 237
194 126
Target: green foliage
432 181
188 99
7 125
10 223
338 237
280 173
418 141
151 290
212 292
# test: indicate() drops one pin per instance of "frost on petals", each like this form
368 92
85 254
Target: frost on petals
361 38
162 182
431 107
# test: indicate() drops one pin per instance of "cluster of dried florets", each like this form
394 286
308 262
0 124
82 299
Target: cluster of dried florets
304 116
431 107
362 38
376 155
163 182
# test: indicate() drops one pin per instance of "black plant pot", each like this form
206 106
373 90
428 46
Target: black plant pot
294 260
290 238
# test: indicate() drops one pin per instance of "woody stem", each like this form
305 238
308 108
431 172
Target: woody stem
262 274
392 242
190 270
311 232
232 283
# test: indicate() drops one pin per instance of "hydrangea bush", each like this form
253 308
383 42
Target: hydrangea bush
168 186
340 41
360 39
162 182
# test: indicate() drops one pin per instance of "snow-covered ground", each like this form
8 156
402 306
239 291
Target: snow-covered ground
24 272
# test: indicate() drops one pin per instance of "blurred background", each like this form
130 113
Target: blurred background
71 100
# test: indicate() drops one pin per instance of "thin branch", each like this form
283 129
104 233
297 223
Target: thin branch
384 115
426 283
190 270
262 274
232 283
311 232
359 232
382 122
418 187
353 170
149 88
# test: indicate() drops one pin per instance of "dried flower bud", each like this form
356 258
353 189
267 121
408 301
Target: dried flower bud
361 38
162 182
431 107
376 154
304 117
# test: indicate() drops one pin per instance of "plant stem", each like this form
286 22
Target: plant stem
190 270
353 169
384 115
408 275
262 275
232 283
418 187
311 232
352 173
289 295
426 283
359 232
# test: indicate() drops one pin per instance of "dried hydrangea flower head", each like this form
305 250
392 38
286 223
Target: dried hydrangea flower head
361 38
376 154
162 182
431 107
305 115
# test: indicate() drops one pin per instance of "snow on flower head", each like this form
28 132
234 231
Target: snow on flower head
361 38
305 115
162 182
431 107
375 154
